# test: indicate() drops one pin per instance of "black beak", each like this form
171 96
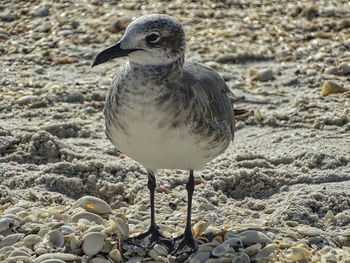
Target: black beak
112 52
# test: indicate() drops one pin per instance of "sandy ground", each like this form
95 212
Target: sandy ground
290 160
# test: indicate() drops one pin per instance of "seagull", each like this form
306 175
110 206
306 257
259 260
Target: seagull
165 113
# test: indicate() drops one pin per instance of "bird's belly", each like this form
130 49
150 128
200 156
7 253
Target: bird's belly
148 137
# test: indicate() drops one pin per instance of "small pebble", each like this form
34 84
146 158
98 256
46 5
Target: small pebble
116 256
330 87
220 250
120 24
250 237
135 259
332 70
263 75
26 100
41 11
4 224
299 253
75 97
292 81
345 68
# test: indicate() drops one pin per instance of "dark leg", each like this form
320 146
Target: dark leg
148 239
185 244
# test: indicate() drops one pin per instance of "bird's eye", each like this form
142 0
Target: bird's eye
153 38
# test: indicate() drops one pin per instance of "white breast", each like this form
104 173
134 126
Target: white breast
154 147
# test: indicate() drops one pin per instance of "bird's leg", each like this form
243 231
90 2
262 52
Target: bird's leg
185 244
147 240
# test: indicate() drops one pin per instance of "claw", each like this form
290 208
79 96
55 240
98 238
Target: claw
146 241
184 246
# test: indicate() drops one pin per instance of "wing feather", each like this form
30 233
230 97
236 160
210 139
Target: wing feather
211 93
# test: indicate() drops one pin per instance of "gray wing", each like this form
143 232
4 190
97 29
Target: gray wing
211 93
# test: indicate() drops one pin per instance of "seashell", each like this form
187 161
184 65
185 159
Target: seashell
56 238
205 248
10 240
18 259
44 214
108 246
99 260
161 250
88 216
53 261
230 234
5 251
200 227
43 231
329 215
345 67
265 252
201 256
220 250
253 250
243 258
60 256
4 224
93 204
121 226
258 115
309 231
92 243
18 253
95 229
162 259
250 237
115 255
135 259
40 250
330 87
31 239
299 253
122 217
67 230
234 242
74 242
263 75
83 224
66 218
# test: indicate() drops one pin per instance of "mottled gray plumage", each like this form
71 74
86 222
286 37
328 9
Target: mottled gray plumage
164 112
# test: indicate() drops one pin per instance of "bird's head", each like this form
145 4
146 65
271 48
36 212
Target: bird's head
149 40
